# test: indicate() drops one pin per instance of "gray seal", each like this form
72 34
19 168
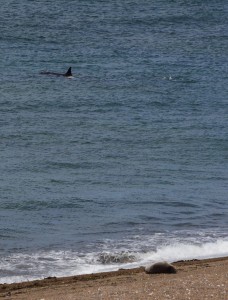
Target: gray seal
160 267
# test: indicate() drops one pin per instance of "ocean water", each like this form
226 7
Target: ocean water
126 163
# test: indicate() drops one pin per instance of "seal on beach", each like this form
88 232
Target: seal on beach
67 74
160 267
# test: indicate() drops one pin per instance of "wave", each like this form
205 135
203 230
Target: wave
185 251
23 267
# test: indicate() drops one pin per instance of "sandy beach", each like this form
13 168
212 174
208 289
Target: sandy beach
195 279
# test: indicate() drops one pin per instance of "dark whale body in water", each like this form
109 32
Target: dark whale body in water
67 74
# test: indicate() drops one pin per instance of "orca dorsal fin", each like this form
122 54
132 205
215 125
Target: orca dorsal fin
68 73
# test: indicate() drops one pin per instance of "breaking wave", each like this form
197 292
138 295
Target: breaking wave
23 267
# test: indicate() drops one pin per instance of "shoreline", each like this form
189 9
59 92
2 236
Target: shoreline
195 278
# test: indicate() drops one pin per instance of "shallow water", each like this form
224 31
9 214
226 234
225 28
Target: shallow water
126 162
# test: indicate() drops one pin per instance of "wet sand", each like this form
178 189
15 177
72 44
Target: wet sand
195 279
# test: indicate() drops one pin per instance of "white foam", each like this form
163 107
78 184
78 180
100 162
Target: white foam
23 267
187 251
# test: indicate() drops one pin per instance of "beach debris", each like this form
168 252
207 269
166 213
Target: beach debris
160 267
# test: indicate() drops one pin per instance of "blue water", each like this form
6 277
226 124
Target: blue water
126 163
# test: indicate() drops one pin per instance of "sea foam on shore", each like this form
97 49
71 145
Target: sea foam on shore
23 267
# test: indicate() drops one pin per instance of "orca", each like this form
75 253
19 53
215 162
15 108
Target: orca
67 74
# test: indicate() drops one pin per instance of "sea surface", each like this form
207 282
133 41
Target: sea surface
126 163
